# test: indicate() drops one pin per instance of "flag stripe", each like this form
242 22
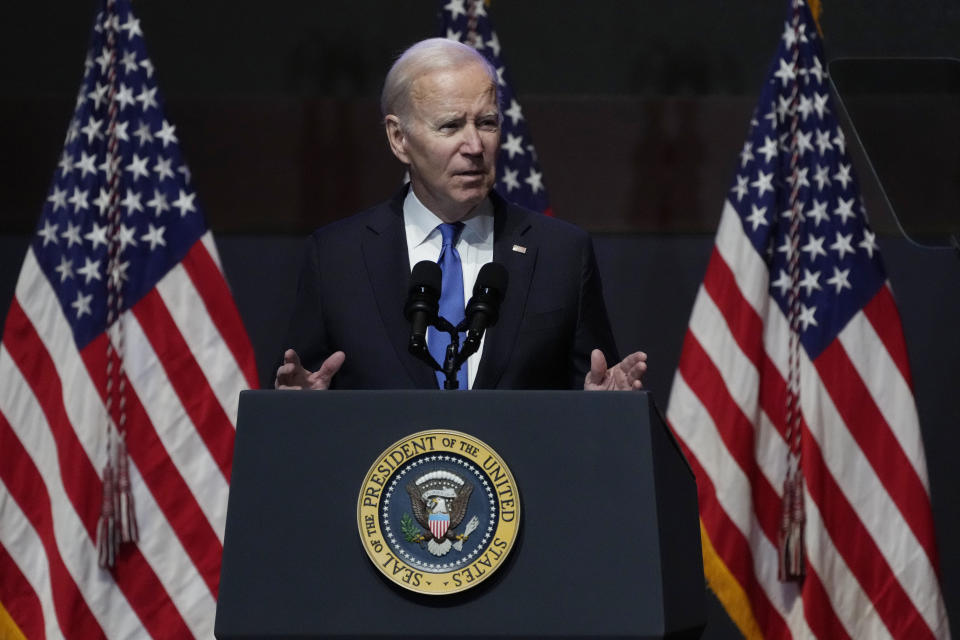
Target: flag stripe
772 400
73 471
170 423
863 557
760 341
716 484
18 595
195 326
87 376
847 599
180 506
705 381
211 247
885 318
776 332
714 335
889 390
847 464
165 480
162 549
29 355
819 611
37 300
725 483
858 506
748 269
699 371
725 532
741 319
186 378
207 277
868 427
705 319
27 488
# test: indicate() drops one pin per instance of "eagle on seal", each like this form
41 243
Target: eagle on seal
439 501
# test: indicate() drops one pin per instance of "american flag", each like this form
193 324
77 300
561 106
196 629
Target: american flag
145 258
519 177
870 558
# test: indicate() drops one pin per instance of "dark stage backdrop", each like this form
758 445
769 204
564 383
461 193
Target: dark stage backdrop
638 110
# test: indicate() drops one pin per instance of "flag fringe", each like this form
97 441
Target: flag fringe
728 591
816 10
8 627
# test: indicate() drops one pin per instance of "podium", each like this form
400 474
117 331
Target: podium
608 544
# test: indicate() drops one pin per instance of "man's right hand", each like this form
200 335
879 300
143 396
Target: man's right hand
292 375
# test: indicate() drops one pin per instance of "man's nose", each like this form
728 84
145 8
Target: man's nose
472 143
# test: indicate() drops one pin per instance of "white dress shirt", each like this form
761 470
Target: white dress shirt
475 247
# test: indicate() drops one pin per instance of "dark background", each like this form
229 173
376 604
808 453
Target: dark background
638 110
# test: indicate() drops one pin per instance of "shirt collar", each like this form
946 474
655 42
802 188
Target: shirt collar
420 222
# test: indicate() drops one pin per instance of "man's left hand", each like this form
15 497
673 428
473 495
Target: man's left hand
623 376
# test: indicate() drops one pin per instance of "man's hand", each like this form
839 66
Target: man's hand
292 375
623 376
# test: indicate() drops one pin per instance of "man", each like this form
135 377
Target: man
442 119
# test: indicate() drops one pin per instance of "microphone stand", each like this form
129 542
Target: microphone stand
456 356
453 357
481 312
451 362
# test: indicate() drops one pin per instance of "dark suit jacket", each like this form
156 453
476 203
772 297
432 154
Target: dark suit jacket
353 286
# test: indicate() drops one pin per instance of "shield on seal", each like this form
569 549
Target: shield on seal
438 524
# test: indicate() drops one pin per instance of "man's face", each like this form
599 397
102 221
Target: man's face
450 139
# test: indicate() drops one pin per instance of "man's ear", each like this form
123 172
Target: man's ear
396 137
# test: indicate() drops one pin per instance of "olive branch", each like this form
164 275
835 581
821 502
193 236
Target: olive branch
410 531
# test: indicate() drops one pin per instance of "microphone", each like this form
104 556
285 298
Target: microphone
423 305
483 310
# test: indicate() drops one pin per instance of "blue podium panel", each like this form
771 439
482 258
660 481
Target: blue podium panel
608 545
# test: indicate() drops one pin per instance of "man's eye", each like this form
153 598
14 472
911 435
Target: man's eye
490 124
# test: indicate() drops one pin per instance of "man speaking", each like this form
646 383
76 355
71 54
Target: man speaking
442 118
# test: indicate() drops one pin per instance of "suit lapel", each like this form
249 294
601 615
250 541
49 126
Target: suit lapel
384 246
511 229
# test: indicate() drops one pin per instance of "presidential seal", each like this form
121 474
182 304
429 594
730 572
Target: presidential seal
438 512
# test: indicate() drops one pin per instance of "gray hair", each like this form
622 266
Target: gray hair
427 56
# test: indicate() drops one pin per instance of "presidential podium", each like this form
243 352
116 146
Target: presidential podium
608 543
